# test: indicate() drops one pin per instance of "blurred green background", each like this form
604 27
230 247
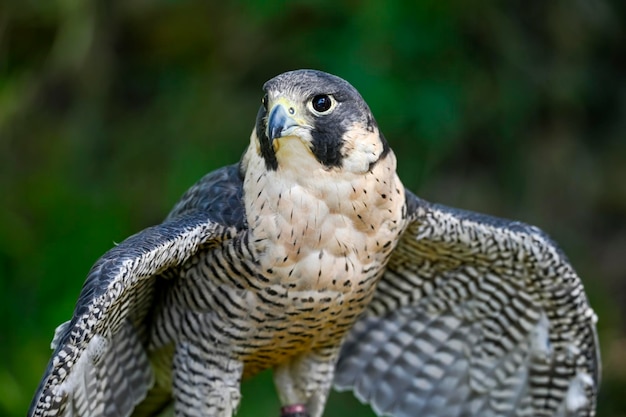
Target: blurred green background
109 110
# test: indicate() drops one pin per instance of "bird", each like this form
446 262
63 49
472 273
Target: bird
310 258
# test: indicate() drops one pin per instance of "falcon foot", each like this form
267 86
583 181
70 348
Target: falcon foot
294 410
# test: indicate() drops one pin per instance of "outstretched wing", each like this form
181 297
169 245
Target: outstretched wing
99 365
474 316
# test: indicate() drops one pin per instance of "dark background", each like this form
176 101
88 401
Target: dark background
109 110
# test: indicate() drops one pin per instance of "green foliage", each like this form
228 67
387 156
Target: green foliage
109 110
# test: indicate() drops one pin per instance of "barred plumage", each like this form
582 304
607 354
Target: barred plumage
496 316
310 258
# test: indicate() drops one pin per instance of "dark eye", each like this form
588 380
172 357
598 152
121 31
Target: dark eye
321 103
264 101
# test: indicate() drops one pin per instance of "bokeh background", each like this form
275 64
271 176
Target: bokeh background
109 110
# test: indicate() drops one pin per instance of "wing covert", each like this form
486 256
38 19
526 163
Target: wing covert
474 316
104 339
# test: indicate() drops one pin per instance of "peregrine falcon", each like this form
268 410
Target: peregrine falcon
309 257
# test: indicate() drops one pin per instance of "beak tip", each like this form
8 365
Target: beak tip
278 122
274 132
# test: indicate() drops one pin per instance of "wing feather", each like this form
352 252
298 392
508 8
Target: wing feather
474 316
99 365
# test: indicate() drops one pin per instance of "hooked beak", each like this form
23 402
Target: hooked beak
280 123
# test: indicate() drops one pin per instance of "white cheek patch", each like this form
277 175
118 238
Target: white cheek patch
361 149
295 156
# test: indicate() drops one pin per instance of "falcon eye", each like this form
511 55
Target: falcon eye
322 103
264 101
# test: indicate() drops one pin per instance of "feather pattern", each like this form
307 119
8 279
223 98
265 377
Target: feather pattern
113 304
474 316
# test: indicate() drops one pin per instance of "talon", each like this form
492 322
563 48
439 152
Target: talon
294 410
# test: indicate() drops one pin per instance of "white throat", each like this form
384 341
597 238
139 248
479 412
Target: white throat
316 226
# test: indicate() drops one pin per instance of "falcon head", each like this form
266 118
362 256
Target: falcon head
309 116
